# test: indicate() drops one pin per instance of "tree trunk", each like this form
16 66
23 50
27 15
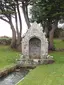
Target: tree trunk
19 32
25 12
51 36
18 44
45 26
13 42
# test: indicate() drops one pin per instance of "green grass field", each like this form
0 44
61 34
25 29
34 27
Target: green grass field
51 74
7 56
59 43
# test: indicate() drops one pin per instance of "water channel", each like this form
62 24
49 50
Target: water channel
13 78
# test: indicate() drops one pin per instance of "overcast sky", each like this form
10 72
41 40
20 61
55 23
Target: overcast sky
6 31
5 27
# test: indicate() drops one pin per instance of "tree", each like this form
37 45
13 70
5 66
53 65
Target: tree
6 12
47 13
25 4
10 9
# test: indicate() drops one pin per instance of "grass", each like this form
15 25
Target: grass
59 43
7 56
51 74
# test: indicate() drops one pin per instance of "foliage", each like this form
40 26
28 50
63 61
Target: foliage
6 7
62 35
48 13
43 10
9 10
57 33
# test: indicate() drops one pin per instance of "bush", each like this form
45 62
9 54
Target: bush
5 41
62 35
57 33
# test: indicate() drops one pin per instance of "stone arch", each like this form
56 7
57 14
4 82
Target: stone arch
35 48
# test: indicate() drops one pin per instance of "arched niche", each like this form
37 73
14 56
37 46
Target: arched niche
35 48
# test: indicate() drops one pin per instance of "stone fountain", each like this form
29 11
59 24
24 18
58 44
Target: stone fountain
35 47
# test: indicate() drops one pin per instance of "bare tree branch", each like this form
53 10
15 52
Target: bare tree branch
4 19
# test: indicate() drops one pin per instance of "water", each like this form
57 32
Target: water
13 78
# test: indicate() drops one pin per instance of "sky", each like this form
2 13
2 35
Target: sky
60 25
5 29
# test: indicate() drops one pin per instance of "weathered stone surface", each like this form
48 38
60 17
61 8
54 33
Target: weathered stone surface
35 45
34 42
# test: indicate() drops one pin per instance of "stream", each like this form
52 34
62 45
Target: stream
13 78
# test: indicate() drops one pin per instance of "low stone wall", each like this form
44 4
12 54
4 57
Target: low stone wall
7 71
35 62
15 68
5 41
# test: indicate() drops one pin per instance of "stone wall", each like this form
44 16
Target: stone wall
35 31
5 41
